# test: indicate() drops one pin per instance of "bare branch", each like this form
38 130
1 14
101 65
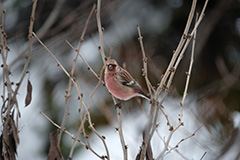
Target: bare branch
70 82
188 73
203 155
78 140
119 129
176 53
167 81
184 139
78 90
72 73
9 136
100 31
88 66
145 71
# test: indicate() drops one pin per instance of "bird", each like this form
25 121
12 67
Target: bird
120 83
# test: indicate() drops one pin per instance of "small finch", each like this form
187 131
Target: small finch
120 83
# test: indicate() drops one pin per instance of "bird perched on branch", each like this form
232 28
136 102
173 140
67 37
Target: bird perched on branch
120 83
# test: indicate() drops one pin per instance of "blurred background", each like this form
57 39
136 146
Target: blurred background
214 91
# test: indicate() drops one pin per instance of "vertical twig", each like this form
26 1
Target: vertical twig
176 53
100 31
166 75
145 71
70 84
30 34
80 96
146 137
188 72
169 74
10 126
184 95
119 129
81 127
72 73
101 49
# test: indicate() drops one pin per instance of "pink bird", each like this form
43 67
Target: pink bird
120 83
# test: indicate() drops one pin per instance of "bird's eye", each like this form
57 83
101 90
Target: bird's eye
110 67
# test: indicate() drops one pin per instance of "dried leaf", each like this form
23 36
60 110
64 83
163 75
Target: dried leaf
9 138
14 132
54 151
12 148
28 98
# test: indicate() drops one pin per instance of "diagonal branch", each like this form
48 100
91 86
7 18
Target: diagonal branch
72 73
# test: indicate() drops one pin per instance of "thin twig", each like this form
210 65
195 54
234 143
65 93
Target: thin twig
70 82
29 50
119 115
64 70
166 144
203 155
159 107
100 31
188 73
89 101
76 85
58 63
184 139
6 71
145 71
64 130
177 56
119 129
185 91
10 126
88 66
81 127
72 73
146 137
163 83
176 53
184 49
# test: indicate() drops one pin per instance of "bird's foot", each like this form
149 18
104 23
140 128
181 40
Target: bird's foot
118 105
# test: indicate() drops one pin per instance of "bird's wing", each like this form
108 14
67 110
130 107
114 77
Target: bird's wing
127 80
125 76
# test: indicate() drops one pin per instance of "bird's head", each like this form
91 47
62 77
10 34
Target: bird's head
112 66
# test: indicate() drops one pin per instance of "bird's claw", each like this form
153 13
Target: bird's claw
118 105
